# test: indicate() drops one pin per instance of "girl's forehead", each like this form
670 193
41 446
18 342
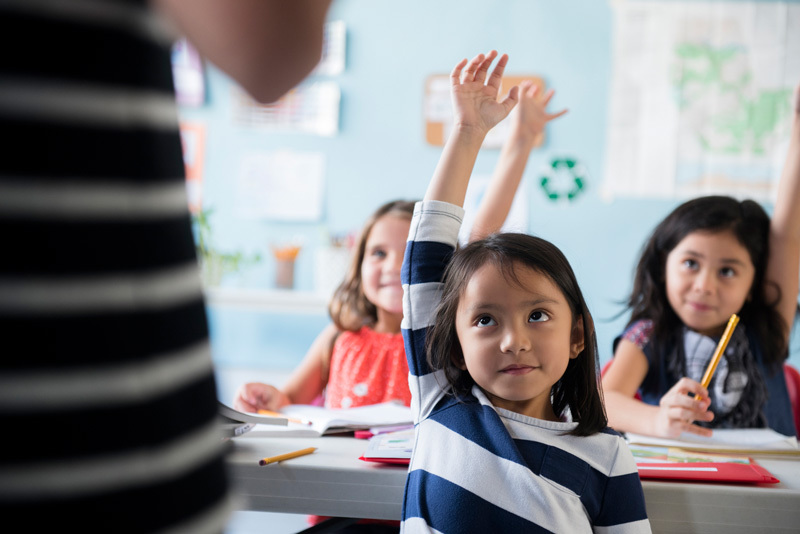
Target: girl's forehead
717 245
708 239
516 275
390 224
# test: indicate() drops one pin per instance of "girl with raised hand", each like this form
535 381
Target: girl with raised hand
358 359
712 257
511 435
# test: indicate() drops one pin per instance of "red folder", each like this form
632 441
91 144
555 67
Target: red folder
396 461
707 472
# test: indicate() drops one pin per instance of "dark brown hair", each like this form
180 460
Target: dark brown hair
577 390
750 224
349 308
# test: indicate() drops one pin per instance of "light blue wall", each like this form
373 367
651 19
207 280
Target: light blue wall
380 152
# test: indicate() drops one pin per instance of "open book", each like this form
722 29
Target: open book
743 441
235 423
310 421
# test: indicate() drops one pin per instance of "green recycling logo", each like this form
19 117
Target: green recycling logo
564 178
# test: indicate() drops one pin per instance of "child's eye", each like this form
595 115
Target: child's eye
378 253
727 272
690 264
485 321
538 317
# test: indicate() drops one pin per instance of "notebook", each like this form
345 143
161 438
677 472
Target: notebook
234 423
320 421
390 447
669 463
743 441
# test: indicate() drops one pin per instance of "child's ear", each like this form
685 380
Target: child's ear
577 342
457 357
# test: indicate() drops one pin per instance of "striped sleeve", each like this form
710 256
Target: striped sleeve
432 239
615 501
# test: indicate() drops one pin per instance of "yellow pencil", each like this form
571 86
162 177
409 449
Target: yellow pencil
287 456
723 342
290 419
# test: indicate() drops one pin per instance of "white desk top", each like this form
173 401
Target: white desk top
334 482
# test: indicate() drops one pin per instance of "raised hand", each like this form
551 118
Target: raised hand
531 116
257 396
475 103
678 410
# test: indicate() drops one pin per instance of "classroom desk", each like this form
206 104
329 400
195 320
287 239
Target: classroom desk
334 482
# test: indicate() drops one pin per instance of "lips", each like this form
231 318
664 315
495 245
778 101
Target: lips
392 287
699 306
517 369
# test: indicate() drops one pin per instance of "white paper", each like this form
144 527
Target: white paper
281 185
333 50
725 439
309 108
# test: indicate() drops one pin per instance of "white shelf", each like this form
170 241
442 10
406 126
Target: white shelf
272 300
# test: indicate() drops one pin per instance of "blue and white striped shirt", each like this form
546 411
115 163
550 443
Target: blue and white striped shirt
478 468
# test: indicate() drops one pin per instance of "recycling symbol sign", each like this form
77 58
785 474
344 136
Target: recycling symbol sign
563 178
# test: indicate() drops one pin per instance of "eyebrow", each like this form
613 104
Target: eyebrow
724 260
488 306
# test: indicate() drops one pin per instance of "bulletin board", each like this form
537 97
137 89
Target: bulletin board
438 112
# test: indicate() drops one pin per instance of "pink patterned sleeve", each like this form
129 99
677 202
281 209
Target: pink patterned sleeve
639 332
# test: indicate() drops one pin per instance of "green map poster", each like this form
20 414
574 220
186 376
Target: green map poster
700 97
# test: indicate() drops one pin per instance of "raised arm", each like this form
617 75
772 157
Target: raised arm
267 46
528 121
476 111
783 268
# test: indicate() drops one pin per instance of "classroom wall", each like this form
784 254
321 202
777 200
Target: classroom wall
380 152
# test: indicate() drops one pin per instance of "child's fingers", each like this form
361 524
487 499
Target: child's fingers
243 405
455 75
511 99
472 68
483 68
527 89
687 386
699 430
497 73
552 116
547 96
681 414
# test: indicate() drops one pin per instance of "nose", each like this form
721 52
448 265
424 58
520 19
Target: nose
515 339
394 262
704 282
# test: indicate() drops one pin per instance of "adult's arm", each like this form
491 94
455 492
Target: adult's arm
267 46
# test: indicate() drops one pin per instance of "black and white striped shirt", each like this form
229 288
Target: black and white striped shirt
107 392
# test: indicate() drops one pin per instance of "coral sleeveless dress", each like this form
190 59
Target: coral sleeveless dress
367 367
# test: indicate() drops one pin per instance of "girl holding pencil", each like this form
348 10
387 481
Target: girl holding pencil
710 258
